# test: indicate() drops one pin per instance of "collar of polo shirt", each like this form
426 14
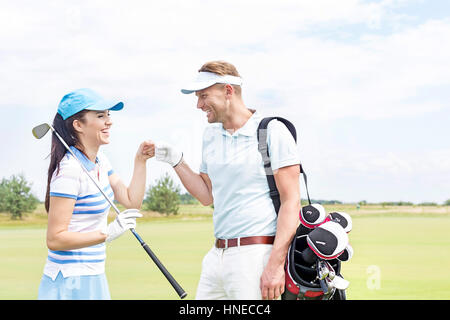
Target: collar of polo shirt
248 129
88 164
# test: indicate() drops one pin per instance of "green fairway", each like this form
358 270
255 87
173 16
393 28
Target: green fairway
397 256
408 252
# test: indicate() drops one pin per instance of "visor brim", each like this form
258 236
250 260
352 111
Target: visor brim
197 86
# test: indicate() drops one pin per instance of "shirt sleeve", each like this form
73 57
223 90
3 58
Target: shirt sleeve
283 150
65 183
207 135
203 168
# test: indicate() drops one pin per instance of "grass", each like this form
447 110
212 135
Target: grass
400 253
409 254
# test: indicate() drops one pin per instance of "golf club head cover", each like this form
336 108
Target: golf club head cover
343 219
312 215
308 256
302 230
328 240
347 254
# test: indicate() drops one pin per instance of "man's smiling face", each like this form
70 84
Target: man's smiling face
212 100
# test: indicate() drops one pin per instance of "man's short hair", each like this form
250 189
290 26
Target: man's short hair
222 68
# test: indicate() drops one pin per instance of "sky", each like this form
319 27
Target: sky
366 83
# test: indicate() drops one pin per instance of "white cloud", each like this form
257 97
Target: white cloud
144 49
292 55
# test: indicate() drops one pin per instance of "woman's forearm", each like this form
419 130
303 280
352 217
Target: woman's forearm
66 240
136 189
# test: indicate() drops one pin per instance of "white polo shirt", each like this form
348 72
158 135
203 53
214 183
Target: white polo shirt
242 204
90 213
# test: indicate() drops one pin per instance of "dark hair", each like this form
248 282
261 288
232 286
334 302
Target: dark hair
67 132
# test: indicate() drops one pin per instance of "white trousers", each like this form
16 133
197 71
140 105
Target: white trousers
233 273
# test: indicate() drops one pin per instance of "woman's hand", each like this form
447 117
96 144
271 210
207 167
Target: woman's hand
145 151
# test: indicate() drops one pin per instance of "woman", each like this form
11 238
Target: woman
77 211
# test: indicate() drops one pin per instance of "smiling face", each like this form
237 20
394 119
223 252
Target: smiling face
214 101
93 130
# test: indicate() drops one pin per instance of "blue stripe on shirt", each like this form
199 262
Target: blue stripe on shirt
90 204
63 195
78 253
75 261
92 211
106 189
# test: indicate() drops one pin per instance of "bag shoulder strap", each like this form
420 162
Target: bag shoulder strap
264 150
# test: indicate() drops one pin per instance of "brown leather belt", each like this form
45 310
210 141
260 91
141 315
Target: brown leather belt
228 243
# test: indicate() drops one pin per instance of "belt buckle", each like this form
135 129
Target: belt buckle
226 244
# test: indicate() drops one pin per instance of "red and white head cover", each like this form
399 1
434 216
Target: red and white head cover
328 240
312 215
347 254
343 219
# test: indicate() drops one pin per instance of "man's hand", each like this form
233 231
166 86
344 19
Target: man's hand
272 281
167 153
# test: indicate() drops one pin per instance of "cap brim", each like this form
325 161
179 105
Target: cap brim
106 105
117 107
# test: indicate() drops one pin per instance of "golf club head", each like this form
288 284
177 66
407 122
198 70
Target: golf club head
324 285
40 130
323 270
331 273
340 283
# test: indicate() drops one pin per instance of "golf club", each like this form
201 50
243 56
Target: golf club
40 131
340 283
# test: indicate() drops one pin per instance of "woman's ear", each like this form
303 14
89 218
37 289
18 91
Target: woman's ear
77 126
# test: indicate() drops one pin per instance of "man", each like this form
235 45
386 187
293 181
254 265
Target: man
248 257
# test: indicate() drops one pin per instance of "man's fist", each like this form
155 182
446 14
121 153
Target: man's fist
167 153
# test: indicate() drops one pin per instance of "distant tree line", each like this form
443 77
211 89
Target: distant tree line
322 201
404 203
164 197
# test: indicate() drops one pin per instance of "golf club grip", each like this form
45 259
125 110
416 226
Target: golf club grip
166 273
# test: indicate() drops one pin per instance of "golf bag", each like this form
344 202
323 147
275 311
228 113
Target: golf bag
313 264
302 279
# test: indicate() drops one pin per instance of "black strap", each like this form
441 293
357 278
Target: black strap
264 150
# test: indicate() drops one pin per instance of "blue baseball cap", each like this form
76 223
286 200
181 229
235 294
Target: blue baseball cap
85 99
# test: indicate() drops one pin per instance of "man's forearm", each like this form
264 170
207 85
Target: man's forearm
194 183
287 224
272 281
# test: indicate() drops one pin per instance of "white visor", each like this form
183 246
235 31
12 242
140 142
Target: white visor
207 79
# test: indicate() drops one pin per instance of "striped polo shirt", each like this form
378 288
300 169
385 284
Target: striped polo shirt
90 213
